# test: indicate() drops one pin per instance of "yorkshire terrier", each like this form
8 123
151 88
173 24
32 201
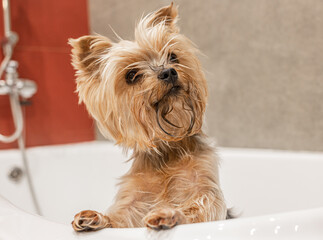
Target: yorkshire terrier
150 95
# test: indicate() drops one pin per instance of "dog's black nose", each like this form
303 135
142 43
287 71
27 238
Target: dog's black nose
168 75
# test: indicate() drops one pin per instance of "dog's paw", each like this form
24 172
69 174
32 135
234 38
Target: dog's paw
165 218
90 221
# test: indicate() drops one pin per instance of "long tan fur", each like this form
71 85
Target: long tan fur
174 175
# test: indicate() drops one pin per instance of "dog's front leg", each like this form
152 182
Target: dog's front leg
123 214
206 207
164 218
89 220
209 206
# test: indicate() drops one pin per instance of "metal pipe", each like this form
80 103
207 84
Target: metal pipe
6 17
11 38
8 47
21 144
19 123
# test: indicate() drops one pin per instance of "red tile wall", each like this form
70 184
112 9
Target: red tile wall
44 27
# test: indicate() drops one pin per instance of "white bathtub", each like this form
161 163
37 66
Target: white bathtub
255 182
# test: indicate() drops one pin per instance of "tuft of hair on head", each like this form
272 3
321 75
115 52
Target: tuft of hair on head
167 16
152 30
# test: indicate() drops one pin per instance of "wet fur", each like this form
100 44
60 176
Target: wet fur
174 176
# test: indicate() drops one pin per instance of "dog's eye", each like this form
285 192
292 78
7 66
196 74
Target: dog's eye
173 58
132 76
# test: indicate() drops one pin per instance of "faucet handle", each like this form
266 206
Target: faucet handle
4 88
26 88
12 65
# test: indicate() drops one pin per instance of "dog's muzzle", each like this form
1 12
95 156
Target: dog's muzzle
168 75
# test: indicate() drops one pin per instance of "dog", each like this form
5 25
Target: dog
150 95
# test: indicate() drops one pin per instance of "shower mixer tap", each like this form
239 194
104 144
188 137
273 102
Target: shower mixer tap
13 86
24 87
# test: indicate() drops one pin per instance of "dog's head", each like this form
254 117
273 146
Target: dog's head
143 91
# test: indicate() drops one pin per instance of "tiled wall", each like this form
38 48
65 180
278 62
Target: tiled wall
44 27
264 65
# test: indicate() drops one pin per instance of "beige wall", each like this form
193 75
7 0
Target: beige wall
264 65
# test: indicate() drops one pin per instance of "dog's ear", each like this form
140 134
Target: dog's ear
167 15
86 53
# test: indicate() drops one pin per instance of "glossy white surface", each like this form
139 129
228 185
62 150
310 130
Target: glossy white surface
256 182
303 225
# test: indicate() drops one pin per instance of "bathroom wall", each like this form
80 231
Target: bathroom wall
264 65
44 56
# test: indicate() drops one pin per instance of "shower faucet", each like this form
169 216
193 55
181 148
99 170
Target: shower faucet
12 83
13 86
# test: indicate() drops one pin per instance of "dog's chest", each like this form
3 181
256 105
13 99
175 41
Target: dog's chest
178 182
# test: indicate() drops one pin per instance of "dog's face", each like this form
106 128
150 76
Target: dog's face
143 91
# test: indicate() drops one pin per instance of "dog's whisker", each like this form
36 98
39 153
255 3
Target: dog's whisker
167 121
183 66
115 33
158 122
